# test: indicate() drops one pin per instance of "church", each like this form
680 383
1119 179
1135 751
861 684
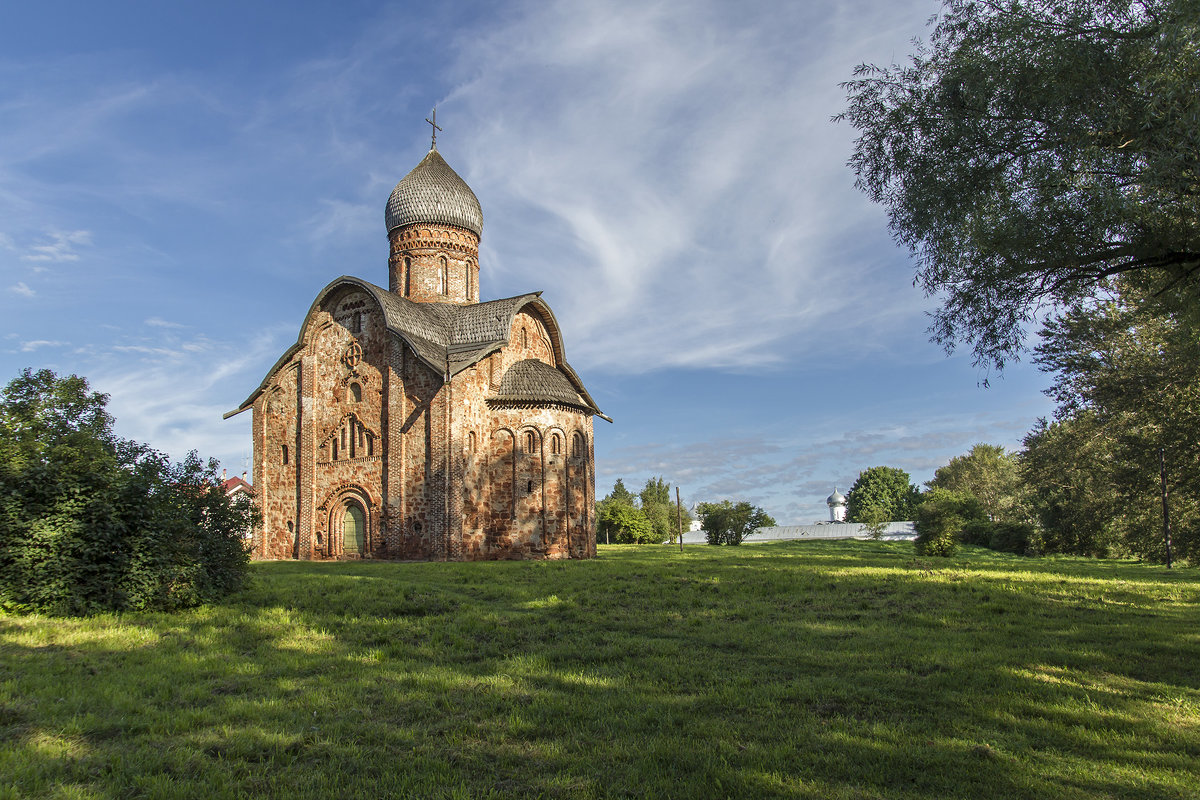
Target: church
417 422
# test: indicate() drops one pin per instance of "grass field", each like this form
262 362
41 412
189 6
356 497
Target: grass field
822 670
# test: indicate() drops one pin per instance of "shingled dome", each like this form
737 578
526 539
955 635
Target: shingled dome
434 193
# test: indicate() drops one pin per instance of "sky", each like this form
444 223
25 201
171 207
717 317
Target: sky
179 180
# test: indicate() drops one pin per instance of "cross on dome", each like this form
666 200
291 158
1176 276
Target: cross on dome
436 128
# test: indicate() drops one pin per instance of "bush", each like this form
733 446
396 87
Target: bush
727 523
977 532
1015 537
625 524
92 523
940 518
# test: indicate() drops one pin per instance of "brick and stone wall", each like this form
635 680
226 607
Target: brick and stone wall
434 264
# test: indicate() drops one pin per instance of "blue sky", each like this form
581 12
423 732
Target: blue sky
178 181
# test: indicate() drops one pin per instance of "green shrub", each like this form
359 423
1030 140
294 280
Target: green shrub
940 518
977 532
729 523
625 524
1015 537
91 523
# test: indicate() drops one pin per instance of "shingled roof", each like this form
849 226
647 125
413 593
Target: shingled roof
533 381
444 335
433 192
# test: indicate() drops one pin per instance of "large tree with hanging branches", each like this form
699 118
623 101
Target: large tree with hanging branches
1030 151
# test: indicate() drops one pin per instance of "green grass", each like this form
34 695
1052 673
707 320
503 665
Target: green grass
821 670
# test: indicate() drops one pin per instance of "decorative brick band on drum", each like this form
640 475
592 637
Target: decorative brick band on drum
415 422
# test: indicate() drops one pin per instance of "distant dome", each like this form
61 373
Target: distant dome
835 499
434 193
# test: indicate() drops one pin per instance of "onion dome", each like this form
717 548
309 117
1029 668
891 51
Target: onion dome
835 499
433 193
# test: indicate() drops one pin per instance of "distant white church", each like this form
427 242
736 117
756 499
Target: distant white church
837 506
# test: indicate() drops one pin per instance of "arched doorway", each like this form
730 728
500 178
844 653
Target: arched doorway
354 530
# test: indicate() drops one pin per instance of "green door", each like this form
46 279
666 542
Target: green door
355 526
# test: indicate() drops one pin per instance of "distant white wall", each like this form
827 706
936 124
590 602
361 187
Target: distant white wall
895 531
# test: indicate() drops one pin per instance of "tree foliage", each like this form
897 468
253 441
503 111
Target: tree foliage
940 519
625 524
1032 149
885 492
1066 466
1127 383
648 517
620 494
991 475
90 522
730 523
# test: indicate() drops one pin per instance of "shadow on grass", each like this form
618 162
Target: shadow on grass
806 670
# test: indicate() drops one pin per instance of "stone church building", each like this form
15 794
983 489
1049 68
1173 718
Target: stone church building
416 422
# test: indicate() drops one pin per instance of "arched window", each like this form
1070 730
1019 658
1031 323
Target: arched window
355 393
470 441
406 278
524 336
577 445
555 445
285 455
354 529
529 442
443 275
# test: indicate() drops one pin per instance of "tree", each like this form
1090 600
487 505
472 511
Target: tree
1127 383
1067 469
729 523
619 520
656 492
988 473
620 494
881 492
940 518
1033 149
625 524
648 517
90 522
875 520
660 509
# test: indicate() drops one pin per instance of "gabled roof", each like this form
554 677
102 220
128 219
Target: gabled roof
235 484
451 337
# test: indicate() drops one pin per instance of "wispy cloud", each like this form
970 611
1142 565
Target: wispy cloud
670 172
37 344
178 408
62 247
159 322
21 288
